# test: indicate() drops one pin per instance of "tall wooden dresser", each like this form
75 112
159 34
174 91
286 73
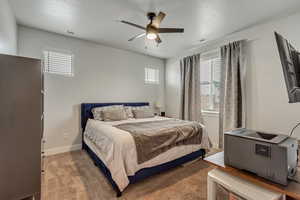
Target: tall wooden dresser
21 125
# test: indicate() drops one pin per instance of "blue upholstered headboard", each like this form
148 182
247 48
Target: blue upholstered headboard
86 110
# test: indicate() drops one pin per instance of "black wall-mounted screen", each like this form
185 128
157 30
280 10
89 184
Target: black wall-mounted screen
290 60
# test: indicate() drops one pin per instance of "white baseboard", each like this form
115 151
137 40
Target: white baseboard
58 150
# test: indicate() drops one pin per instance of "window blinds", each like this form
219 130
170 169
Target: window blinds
151 76
58 63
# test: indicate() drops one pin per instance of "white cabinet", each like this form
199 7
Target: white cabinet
238 187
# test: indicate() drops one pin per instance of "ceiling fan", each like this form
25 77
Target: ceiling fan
153 28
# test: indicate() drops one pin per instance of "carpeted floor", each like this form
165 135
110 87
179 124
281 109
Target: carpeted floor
73 176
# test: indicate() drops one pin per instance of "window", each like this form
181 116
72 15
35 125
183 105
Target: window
58 63
151 76
210 82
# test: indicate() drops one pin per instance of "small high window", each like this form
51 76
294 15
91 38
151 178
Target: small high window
151 76
58 63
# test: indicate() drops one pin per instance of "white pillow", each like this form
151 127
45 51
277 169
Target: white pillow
141 108
97 112
128 110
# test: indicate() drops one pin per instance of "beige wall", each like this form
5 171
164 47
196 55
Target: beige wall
102 74
267 101
8 29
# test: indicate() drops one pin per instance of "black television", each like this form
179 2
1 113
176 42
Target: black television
290 60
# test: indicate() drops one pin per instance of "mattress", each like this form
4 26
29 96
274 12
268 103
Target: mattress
116 149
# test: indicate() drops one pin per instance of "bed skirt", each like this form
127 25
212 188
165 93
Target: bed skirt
143 173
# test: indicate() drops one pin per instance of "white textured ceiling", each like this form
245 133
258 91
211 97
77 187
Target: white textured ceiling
97 20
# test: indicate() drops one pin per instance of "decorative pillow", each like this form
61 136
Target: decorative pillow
143 113
97 112
141 108
114 115
128 110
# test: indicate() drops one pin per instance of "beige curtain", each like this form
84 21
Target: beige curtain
232 90
190 108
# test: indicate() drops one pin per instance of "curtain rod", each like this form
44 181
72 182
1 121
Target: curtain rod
211 46
214 44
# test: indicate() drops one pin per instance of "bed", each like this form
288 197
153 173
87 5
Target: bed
107 157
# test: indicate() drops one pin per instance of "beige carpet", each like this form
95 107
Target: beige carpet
73 176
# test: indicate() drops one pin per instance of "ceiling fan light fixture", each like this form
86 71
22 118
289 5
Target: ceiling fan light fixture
153 30
151 36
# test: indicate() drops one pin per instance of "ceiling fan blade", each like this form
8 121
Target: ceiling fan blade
132 24
170 30
137 36
158 40
158 19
